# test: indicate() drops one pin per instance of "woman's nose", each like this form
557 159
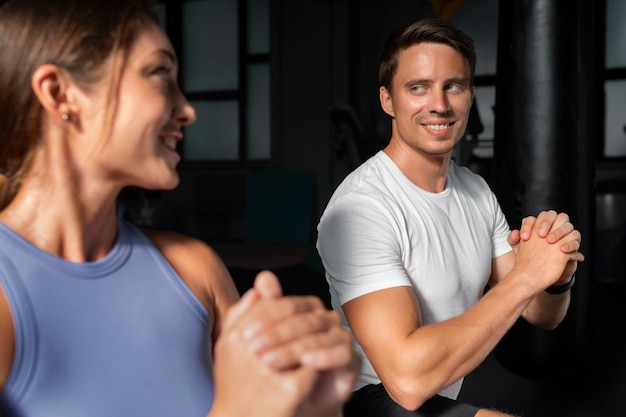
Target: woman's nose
184 112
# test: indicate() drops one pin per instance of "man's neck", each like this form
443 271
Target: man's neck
429 172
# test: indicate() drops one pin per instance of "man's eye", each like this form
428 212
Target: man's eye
455 88
417 89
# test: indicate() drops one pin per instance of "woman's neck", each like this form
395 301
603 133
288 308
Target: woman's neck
61 220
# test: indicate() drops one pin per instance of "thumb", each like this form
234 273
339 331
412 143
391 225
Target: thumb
267 285
238 309
514 237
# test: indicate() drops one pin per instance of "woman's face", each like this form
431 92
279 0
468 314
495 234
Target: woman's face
148 112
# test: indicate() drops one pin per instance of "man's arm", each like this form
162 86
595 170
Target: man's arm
414 362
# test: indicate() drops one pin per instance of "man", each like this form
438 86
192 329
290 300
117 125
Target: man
409 242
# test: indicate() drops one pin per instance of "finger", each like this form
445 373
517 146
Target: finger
560 228
344 383
268 313
514 237
268 285
339 355
572 249
295 329
321 351
569 271
560 232
545 222
237 311
346 377
527 227
333 389
577 256
571 242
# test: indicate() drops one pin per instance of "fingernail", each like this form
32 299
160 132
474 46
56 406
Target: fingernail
271 358
310 358
258 344
250 331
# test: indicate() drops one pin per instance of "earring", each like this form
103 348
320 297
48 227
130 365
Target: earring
66 117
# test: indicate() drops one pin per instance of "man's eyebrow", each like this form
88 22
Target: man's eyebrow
428 81
414 81
458 80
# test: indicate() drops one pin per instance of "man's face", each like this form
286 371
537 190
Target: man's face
430 99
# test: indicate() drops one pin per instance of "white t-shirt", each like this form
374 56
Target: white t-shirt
379 230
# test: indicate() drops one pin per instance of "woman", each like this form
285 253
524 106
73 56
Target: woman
98 317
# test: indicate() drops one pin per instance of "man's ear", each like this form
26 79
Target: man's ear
50 85
386 102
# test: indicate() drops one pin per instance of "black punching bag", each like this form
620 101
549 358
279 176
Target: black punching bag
546 87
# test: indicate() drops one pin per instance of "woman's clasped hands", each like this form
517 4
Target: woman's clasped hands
293 352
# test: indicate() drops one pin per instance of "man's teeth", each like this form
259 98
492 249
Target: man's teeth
438 127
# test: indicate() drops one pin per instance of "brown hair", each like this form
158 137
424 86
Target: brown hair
427 30
77 36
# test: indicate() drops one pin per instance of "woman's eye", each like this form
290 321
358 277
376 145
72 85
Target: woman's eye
162 71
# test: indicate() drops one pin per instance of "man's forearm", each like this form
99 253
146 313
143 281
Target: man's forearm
547 310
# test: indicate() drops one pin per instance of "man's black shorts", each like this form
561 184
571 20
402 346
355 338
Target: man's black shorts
373 401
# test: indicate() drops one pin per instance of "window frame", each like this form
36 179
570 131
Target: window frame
174 24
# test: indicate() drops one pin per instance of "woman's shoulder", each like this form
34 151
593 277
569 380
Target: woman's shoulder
7 340
173 240
198 265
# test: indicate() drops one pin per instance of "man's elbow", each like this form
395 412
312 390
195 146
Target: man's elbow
409 395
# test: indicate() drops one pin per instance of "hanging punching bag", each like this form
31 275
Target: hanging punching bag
543 153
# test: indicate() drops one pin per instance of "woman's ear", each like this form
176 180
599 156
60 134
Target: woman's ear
386 102
51 85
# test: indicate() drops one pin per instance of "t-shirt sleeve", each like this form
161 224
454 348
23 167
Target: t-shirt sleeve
358 248
501 230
